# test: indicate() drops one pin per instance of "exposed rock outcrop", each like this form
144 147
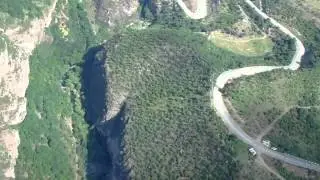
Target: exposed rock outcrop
14 73
14 77
115 12
105 135
10 141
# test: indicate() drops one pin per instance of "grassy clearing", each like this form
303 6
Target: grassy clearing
247 46
313 3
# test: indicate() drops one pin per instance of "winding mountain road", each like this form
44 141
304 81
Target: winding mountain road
218 103
201 11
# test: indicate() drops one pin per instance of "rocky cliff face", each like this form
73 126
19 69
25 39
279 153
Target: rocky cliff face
14 79
104 139
14 73
115 12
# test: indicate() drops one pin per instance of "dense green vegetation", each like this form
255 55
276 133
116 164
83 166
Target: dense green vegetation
262 98
248 168
293 173
166 76
49 147
281 95
284 46
171 15
283 49
301 19
298 133
21 8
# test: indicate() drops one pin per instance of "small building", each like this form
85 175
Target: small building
266 143
252 151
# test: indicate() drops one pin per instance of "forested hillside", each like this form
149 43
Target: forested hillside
283 106
164 78
289 101
303 20
53 135
156 100
121 89
17 12
21 26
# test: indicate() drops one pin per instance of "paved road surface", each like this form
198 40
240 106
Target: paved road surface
201 11
217 97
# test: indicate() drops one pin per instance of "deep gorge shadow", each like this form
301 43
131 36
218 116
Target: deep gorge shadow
308 60
104 160
147 6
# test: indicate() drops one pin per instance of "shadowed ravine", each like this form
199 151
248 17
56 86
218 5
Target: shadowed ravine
104 160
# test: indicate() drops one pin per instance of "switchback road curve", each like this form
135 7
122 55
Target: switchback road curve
217 97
